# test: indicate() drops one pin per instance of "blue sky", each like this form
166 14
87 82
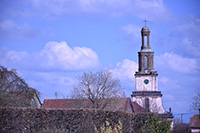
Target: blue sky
51 42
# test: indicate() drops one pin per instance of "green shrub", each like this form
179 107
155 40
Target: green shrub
154 124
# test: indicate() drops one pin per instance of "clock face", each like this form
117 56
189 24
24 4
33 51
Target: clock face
146 81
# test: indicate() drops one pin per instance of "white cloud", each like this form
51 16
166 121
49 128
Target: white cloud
192 46
164 80
55 55
192 25
14 58
61 55
176 63
10 29
189 34
125 69
132 30
47 83
40 79
154 9
169 97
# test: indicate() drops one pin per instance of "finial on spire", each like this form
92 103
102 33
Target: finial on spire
145 21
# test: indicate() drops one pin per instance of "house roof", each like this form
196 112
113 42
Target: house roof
195 121
137 108
116 104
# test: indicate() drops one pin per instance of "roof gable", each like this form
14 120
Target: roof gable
195 121
137 108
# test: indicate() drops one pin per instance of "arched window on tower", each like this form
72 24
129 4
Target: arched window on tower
145 62
145 40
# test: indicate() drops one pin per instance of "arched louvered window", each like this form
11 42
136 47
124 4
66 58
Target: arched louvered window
145 62
145 40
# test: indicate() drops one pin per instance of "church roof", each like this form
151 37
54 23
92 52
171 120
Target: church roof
137 108
195 121
118 104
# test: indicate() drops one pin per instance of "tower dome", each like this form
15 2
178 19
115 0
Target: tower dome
145 31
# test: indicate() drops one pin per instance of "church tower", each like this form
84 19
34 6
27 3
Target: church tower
146 92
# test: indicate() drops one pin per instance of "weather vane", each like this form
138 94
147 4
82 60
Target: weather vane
145 21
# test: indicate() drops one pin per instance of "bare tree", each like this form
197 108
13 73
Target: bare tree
99 88
14 91
196 101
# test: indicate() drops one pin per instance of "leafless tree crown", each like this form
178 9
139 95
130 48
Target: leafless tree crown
100 88
196 101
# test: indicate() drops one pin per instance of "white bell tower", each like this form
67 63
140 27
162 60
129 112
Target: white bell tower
146 79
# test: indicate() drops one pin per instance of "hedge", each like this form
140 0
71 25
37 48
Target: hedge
38 120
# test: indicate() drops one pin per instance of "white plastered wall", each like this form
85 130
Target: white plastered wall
141 86
155 103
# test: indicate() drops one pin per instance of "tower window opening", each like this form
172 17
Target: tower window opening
145 40
147 104
145 62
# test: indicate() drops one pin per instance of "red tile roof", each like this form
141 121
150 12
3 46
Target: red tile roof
137 108
119 104
195 121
